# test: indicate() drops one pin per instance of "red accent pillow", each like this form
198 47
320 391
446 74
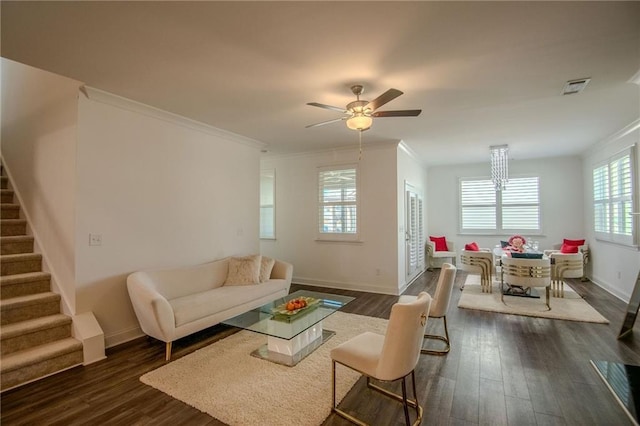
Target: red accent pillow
472 247
441 243
573 242
567 248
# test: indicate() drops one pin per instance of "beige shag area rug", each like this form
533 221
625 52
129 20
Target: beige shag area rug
572 307
226 382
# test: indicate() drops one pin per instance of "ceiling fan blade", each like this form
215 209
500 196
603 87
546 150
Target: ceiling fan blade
387 96
399 113
333 108
325 122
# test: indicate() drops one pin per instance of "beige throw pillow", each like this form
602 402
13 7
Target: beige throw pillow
266 265
244 270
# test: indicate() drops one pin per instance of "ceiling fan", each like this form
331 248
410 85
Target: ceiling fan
359 113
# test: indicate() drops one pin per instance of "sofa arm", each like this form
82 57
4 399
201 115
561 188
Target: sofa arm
152 309
282 271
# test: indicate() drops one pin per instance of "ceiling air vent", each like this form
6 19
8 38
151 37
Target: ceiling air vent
575 86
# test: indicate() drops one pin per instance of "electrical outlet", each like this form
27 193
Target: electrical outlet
95 239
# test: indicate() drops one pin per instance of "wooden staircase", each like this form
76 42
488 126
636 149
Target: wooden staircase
35 337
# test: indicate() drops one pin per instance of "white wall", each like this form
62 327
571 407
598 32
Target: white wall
161 192
561 192
613 267
409 171
39 125
370 265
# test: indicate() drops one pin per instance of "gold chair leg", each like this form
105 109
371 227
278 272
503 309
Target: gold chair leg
444 338
405 405
168 351
333 385
547 291
415 394
412 403
406 402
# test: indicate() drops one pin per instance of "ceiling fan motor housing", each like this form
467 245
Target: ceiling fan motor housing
357 107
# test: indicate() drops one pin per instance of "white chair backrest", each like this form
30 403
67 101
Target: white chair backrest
403 338
568 265
567 257
527 272
471 261
442 295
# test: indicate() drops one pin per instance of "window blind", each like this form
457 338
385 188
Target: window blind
613 198
267 204
338 201
485 210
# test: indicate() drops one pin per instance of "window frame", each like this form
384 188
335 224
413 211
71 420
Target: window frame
499 208
610 236
338 236
272 172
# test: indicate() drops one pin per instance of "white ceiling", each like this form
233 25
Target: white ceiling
483 73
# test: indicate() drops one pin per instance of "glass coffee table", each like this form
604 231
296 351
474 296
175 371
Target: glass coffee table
291 336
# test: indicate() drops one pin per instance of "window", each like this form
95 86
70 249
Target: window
267 204
514 209
338 203
613 198
414 232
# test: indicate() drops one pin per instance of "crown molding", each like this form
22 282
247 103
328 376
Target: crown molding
101 96
629 128
340 149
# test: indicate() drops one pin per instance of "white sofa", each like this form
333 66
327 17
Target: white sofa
173 303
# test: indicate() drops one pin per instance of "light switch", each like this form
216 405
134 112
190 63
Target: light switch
95 239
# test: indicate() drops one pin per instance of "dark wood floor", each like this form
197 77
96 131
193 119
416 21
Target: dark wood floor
502 369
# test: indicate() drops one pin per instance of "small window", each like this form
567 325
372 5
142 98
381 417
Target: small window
613 198
268 204
338 203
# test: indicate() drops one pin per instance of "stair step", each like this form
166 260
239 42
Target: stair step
27 334
9 211
10 227
16 244
24 284
6 196
29 307
30 364
4 182
11 264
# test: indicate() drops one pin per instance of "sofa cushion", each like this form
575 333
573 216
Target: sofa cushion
567 248
472 246
200 305
243 270
266 265
183 281
440 242
573 242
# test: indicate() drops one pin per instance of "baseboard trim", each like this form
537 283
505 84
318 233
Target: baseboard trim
368 288
123 337
610 289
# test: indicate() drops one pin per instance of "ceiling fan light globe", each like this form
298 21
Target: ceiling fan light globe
359 122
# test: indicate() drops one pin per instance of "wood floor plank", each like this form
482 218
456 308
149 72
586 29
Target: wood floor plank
437 400
541 393
467 390
531 370
520 412
492 405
